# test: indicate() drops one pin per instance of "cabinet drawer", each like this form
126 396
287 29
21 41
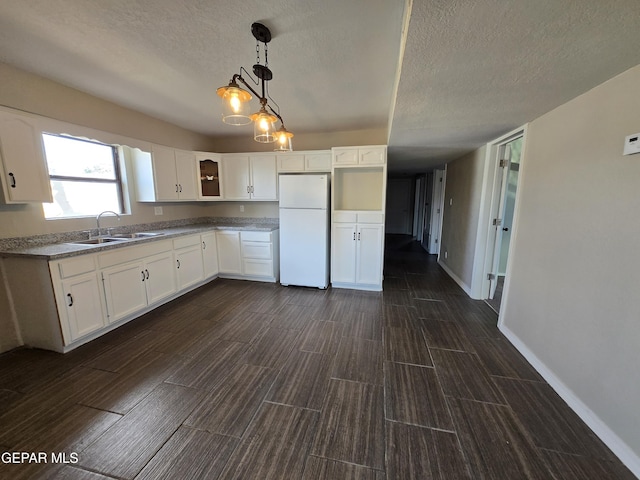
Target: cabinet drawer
256 250
128 254
188 241
258 268
344 217
256 236
370 218
76 266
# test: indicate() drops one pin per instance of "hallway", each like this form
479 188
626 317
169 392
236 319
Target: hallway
240 380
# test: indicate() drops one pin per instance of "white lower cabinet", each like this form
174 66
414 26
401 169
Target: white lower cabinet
78 297
83 297
209 254
132 286
248 254
357 255
188 259
229 259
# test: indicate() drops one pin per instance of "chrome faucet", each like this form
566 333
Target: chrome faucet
102 213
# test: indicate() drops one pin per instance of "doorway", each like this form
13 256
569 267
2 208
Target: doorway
399 211
503 211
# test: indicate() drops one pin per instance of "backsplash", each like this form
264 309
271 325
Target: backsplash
47 239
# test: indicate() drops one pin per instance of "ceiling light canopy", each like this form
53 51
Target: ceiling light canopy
235 100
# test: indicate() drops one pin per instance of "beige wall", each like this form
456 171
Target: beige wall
28 92
462 196
573 301
302 141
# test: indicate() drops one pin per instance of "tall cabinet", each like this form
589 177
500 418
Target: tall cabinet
358 195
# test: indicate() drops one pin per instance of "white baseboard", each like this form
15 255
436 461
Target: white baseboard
615 443
464 286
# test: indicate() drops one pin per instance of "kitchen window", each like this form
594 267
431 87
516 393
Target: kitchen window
85 177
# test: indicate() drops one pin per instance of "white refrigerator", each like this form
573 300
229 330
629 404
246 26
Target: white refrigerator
304 229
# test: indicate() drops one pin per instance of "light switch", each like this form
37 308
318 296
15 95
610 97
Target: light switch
157 210
632 144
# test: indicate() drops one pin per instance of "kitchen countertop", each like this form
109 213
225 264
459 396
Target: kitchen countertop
56 251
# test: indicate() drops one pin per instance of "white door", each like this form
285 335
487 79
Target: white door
229 260
164 172
209 254
304 244
186 175
160 279
264 177
124 290
83 305
369 254
503 213
304 191
235 177
189 266
437 204
26 178
343 253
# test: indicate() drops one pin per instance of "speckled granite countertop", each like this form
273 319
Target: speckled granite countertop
66 247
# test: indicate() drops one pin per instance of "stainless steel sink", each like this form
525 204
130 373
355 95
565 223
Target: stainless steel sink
97 241
125 236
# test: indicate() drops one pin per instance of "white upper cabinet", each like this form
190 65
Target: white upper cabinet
370 155
209 170
312 161
250 177
166 174
25 177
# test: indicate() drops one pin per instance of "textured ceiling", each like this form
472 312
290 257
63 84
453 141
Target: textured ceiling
471 70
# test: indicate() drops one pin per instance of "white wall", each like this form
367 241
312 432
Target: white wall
573 290
462 197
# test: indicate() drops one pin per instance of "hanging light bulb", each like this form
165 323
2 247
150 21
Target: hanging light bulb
235 104
264 126
283 140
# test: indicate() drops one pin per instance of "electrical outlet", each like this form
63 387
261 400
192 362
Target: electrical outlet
241 208
157 210
632 144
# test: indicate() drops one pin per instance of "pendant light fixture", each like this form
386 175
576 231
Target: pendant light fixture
235 100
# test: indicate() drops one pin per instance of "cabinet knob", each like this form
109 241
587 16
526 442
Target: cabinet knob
70 304
147 272
354 236
358 236
178 262
176 188
13 180
180 185
142 272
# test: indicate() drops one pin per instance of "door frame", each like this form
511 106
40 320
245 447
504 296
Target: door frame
483 253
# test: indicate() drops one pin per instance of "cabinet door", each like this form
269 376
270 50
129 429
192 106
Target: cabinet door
317 162
291 163
264 177
186 175
25 177
343 253
235 177
209 170
125 290
370 254
189 266
83 305
372 156
209 254
229 260
160 279
164 173
345 156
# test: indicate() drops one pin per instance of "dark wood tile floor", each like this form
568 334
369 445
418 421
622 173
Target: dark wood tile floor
242 380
